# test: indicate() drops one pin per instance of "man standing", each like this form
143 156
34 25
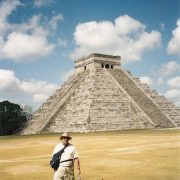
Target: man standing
68 158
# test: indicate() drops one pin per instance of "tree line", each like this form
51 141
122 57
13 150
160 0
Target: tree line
12 118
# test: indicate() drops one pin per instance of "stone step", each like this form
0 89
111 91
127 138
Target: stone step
146 104
45 115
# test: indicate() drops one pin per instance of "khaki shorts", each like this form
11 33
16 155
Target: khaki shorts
64 173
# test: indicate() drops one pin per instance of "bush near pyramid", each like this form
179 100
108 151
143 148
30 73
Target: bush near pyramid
101 96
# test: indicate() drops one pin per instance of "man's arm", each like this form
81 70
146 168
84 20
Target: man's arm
77 161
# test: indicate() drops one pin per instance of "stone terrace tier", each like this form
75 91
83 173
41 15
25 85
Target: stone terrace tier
101 96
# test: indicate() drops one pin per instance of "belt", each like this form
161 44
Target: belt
66 160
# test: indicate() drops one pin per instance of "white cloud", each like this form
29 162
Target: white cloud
54 21
41 3
26 41
146 80
174 44
170 68
126 37
23 46
174 82
6 8
32 26
40 97
125 25
174 92
8 81
9 84
174 95
34 86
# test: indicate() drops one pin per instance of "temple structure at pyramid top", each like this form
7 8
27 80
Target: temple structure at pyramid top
101 96
94 61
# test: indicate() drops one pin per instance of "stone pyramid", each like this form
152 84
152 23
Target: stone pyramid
101 96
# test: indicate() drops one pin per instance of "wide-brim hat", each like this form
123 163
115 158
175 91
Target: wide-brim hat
65 135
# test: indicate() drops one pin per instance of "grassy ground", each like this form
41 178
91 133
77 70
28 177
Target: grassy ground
123 155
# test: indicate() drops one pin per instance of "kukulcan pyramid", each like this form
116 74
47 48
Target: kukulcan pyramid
101 96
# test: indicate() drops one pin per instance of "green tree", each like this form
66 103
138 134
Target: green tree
12 118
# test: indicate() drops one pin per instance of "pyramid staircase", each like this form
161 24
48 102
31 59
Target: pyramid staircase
93 102
153 111
167 107
112 108
97 106
100 96
51 107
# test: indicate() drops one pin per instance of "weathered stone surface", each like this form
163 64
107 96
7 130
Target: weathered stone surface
101 96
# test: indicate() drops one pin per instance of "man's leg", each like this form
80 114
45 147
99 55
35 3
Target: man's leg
59 174
69 173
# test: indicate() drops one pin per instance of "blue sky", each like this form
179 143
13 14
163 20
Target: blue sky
39 40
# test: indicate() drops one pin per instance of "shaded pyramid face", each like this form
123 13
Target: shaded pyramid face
101 96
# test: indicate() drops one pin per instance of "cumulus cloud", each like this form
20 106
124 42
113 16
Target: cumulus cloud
174 90
6 8
22 46
174 95
26 41
40 97
146 80
174 82
174 44
54 21
32 26
8 81
126 37
37 89
170 68
125 25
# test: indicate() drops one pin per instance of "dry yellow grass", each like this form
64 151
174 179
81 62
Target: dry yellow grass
123 155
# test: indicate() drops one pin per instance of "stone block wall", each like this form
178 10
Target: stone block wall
101 98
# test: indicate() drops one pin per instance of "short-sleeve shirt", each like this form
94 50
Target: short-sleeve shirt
70 153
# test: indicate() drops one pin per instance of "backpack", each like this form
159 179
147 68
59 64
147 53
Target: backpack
54 162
